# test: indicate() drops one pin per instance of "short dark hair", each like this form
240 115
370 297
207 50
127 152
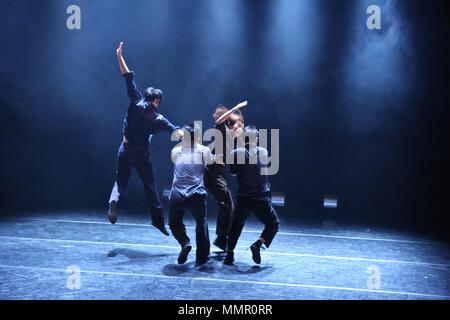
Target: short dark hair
191 129
220 110
251 132
150 94
251 129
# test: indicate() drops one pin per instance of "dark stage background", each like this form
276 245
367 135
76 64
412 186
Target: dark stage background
363 114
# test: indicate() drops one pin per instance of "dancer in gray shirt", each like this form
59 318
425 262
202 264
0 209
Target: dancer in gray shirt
188 192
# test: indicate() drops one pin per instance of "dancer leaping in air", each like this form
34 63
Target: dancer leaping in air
141 121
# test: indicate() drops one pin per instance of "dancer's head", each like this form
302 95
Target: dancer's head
192 133
155 96
251 135
236 123
220 110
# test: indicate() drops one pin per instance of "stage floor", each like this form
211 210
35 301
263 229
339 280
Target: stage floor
133 260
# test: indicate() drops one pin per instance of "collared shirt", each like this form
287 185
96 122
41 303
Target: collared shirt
142 120
188 172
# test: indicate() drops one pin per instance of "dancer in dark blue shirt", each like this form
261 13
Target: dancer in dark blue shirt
141 121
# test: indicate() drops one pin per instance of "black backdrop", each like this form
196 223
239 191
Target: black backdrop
371 128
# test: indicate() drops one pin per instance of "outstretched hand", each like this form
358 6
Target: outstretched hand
122 64
119 49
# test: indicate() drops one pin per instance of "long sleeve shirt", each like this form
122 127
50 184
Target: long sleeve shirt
247 167
141 119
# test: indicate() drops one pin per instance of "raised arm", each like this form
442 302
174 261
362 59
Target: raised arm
227 114
122 64
133 92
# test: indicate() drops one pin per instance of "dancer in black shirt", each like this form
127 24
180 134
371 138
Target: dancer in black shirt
230 123
253 195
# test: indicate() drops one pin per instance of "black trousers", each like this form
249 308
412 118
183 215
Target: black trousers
127 158
217 186
196 204
264 211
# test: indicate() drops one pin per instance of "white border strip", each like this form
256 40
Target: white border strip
266 252
245 231
234 281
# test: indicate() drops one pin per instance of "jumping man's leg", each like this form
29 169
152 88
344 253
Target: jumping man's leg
122 176
145 170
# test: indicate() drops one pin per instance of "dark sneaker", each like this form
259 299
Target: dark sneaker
256 253
221 243
182 257
229 259
161 227
112 212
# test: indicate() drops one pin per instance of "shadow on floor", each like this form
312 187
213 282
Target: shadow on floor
133 254
212 266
